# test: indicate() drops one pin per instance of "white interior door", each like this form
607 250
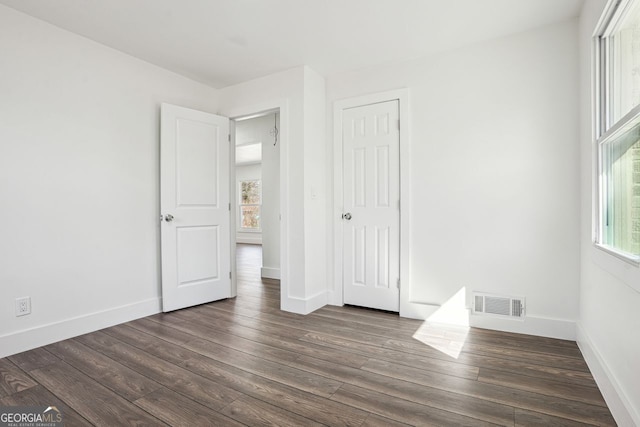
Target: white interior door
194 203
371 220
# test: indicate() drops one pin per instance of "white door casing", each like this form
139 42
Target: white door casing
371 225
194 203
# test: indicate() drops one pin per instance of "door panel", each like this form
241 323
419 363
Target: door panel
382 257
382 177
371 265
198 254
194 199
359 255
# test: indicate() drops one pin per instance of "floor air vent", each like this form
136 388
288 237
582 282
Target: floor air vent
498 305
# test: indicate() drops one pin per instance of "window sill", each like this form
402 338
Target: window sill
630 259
249 230
620 265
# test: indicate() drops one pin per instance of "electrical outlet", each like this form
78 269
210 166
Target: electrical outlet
23 306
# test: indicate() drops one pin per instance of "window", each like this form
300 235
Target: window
618 130
250 201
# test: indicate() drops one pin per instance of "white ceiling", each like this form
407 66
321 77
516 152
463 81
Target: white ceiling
223 42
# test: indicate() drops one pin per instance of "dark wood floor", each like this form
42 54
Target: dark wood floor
245 362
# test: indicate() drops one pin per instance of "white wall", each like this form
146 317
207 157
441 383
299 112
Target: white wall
316 200
246 173
609 314
494 175
79 147
287 91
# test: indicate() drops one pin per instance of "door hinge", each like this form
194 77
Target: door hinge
229 137
398 283
229 275
229 207
398 124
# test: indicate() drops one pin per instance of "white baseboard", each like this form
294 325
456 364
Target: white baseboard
530 325
620 406
420 311
270 273
304 305
28 339
334 298
250 240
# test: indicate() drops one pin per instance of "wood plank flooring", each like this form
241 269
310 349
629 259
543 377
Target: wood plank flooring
244 362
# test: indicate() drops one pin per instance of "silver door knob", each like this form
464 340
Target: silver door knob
168 218
347 216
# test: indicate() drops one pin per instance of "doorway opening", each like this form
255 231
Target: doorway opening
255 208
255 293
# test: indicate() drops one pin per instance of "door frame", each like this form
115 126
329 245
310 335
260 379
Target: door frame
283 139
336 295
233 201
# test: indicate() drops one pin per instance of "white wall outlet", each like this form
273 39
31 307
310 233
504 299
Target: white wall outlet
23 306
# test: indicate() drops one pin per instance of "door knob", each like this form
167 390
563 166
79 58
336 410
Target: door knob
347 216
168 218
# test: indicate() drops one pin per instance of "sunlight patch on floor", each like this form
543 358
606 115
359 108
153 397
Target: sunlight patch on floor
444 338
446 330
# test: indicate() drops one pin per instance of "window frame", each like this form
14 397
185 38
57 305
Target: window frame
605 128
240 205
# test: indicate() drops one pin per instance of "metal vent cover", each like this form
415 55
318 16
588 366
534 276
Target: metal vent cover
498 305
517 308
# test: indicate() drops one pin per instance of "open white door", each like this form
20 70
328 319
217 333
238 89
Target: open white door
194 203
371 221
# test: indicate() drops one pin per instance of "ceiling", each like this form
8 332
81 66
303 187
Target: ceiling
224 42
